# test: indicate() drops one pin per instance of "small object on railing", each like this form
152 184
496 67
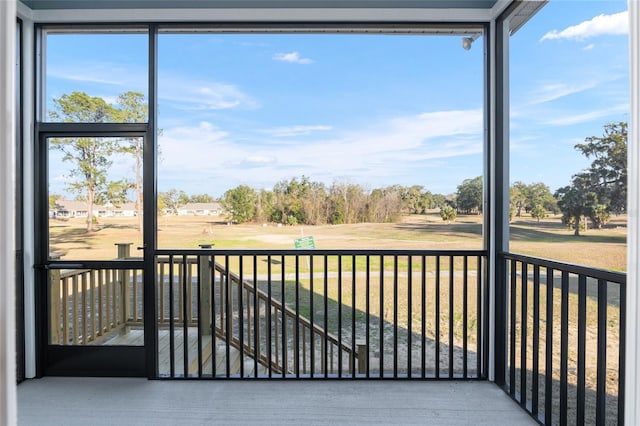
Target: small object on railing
124 250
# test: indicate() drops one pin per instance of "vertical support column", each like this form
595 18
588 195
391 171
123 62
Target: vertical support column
150 217
8 407
632 355
205 290
497 193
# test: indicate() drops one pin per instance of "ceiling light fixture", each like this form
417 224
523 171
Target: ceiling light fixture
468 41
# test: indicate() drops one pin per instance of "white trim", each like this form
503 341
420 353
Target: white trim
492 212
632 378
28 217
263 15
8 404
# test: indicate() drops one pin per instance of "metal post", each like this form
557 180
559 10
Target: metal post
206 286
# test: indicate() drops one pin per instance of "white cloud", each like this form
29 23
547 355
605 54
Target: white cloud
287 131
551 91
589 47
588 116
212 160
292 57
203 95
616 24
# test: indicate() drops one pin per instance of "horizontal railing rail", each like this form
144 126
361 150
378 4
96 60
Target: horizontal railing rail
566 341
321 313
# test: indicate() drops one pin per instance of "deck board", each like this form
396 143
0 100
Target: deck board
109 401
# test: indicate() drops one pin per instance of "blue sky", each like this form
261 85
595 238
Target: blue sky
369 109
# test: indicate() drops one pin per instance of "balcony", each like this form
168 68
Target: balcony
356 315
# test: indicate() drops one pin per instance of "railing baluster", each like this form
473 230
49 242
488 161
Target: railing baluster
548 369
512 318
172 343
312 310
601 382
185 319
326 317
339 315
536 342
353 315
65 311
451 316
296 328
409 316
482 345
395 316
437 319
524 308
74 285
228 315
269 307
214 337
84 289
241 313
161 295
465 315
101 302
285 348
621 352
256 318
582 339
423 318
367 313
201 274
381 318
564 348
94 312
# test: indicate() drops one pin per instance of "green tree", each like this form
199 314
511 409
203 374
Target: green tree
518 196
608 171
132 108
600 216
538 212
53 199
448 214
172 200
240 203
469 196
577 200
91 157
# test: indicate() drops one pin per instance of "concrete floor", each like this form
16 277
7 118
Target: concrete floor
115 401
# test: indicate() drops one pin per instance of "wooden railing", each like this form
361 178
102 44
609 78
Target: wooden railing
91 306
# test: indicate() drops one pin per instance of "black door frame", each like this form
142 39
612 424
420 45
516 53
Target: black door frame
97 360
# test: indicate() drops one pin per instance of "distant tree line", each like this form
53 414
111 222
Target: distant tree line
303 201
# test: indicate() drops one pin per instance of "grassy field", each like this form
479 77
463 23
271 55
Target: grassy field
604 248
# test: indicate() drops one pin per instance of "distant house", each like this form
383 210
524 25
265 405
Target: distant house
200 209
71 208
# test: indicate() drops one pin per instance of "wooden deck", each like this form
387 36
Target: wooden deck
135 337
112 401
